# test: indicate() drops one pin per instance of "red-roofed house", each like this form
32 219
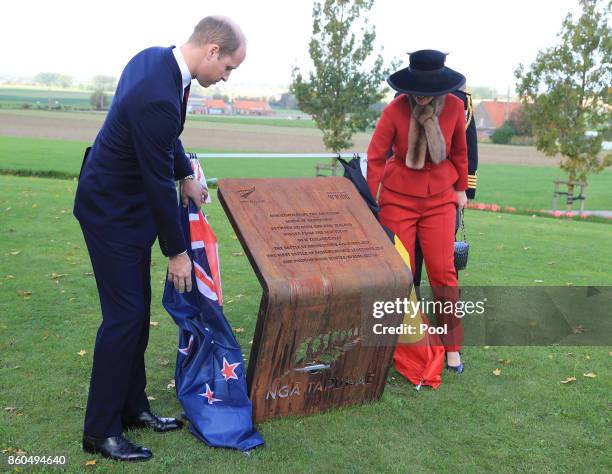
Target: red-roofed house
251 107
491 114
215 107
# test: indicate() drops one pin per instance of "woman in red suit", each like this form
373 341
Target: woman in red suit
424 181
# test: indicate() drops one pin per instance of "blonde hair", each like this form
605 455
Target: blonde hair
218 30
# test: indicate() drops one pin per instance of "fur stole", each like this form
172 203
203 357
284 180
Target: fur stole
425 134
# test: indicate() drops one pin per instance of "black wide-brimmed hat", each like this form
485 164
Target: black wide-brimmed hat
426 75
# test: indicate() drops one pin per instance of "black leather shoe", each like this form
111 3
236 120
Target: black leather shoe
148 420
118 448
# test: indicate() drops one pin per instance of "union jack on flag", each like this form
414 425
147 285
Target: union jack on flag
205 257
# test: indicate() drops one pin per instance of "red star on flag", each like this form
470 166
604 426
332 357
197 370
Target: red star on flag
209 395
187 350
229 370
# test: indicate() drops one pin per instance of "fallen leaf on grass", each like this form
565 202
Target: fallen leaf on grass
82 352
538 281
172 384
526 248
590 375
7 450
20 452
24 294
238 330
91 462
497 372
10 409
504 361
234 298
164 362
15 252
46 335
151 399
569 380
234 237
154 324
57 276
10 277
34 206
88 274
237 254
579 329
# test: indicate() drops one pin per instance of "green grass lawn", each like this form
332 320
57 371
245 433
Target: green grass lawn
17 96
506 185
521 420
532 187
63 158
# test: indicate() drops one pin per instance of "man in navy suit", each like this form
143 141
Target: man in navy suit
126 198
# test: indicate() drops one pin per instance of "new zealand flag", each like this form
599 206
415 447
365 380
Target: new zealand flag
210 375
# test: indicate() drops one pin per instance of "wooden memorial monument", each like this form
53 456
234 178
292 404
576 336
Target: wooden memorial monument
322 260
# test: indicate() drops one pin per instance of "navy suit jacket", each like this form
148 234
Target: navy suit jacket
126 190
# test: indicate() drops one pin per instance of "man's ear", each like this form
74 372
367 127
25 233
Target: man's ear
213 50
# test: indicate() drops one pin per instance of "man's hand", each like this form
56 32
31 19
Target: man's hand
461 199
179 272
192 189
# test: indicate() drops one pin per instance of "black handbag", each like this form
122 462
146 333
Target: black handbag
461 248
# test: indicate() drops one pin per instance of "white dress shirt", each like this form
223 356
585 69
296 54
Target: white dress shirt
180 60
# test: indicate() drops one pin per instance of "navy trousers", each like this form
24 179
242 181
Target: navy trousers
118 380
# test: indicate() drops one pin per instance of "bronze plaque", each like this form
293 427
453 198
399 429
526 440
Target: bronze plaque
322 260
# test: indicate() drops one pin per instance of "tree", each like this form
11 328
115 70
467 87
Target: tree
286 101
65 81
566 92
97 99
503 134
484 93
520 123
104 83
339 92
48 79
101 85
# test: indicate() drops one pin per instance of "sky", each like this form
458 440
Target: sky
486 39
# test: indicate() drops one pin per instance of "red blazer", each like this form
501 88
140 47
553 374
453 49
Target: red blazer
393 128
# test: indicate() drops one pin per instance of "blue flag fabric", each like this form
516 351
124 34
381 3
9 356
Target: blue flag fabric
210 376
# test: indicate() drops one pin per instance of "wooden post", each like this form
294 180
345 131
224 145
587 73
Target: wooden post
569 195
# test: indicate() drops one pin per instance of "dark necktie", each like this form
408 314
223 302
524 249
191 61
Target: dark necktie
184 109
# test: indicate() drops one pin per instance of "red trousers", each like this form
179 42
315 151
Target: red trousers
432 218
